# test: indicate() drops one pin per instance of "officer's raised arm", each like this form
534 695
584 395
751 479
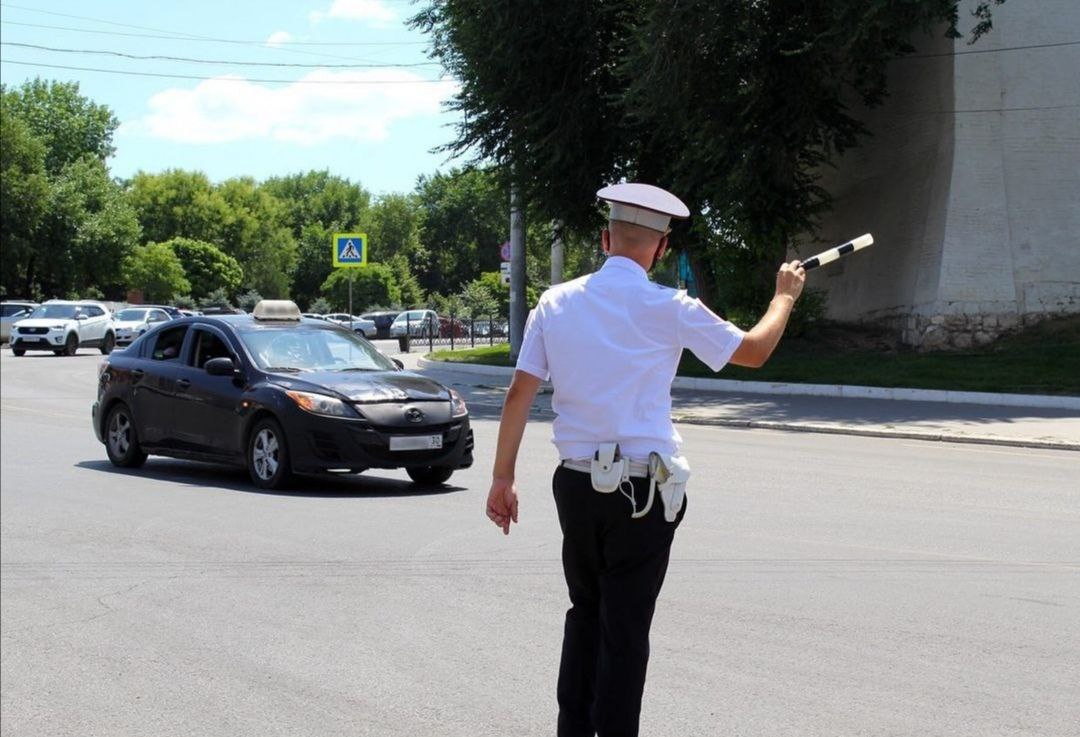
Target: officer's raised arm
760 342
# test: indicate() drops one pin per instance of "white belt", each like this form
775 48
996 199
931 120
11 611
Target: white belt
637 468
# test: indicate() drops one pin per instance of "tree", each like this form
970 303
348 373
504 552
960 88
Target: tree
255 233
466 219
70 126
478 300
248 300
156 271
66 227
735 105
216 298
24 192
178 204
320 306
207 266
372 284
410 292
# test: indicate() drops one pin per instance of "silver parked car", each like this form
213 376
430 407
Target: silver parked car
131 322
10 312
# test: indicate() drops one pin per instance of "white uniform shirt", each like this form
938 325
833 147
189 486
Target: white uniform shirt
610 343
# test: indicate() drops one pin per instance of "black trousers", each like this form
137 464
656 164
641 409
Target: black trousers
614 568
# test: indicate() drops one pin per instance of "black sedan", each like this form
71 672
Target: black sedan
280 395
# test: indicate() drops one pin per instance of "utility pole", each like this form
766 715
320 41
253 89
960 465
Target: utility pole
517 273
557 253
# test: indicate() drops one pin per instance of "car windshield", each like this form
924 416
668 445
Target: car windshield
131 315
409 317
57 312
312 349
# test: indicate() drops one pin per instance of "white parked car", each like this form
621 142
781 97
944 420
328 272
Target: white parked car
360 325
63 327
10 313
418 324
130 323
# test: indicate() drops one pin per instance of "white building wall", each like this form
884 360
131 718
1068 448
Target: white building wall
970 185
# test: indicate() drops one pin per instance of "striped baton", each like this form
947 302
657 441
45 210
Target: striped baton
834 253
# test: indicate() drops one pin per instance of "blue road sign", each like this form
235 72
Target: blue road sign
350 249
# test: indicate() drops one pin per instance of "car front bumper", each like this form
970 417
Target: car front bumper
319 444
50 341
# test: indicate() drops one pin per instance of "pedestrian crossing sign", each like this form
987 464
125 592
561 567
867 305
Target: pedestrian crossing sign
350 250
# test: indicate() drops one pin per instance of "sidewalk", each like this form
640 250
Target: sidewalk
1033 427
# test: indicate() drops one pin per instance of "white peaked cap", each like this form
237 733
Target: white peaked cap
643 204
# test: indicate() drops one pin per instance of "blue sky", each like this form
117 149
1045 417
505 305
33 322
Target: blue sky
374 125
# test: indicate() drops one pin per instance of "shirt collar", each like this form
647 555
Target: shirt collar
625 265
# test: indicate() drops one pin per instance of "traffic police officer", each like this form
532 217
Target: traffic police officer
610 343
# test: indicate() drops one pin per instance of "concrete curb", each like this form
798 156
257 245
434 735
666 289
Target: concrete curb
880 433
1039 401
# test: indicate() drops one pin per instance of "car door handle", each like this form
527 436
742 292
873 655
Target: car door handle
183 383
137 374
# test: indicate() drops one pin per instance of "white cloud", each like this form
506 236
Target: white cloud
277 38
373 12
229 109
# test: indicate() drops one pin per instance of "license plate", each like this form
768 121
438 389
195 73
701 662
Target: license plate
416 442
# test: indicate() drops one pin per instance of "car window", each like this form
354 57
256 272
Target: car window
93 311
13 310
313 350
55 312
167 343
158 316
130 315
208 345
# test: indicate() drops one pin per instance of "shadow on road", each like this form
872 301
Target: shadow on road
205 475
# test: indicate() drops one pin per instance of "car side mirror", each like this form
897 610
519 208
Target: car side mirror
398 363
220 367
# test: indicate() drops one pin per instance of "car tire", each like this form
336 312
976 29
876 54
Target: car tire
430 475
122 439
19 351
108 344
71 345
267 455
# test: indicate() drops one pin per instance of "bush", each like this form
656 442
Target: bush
248 300
320 306
216 298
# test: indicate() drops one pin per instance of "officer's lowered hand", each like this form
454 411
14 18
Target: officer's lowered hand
502 504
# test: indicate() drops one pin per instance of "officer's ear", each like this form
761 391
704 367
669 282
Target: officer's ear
662 248
605 240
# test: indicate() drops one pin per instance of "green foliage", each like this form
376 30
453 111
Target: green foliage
69 125
410 293
733 105
184 301
156 271
24 193
256 234
178 204
372 284
320 306
207 266
478 300
465 219
216 298
248 300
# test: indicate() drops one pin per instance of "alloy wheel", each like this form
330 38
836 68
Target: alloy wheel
264 454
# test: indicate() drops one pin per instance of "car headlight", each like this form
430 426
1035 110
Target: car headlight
457 405
320 404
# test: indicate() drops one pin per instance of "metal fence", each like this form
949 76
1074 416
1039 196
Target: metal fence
453 331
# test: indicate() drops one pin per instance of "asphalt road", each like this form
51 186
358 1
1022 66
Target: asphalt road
820 585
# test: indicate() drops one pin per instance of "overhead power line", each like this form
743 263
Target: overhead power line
208 39
215 61
227 79
991 51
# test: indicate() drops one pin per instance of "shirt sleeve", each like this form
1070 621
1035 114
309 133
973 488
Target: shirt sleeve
710 337
532 359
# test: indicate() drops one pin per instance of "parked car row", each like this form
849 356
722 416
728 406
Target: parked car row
65 326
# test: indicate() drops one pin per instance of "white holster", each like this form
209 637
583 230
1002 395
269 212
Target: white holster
669 474
609 469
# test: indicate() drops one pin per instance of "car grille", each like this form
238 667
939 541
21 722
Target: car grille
33 331
377 443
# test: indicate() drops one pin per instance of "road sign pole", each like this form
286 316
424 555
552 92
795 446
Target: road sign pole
350 298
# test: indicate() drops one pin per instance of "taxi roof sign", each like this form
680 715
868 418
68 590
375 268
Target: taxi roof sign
350 250
276 309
